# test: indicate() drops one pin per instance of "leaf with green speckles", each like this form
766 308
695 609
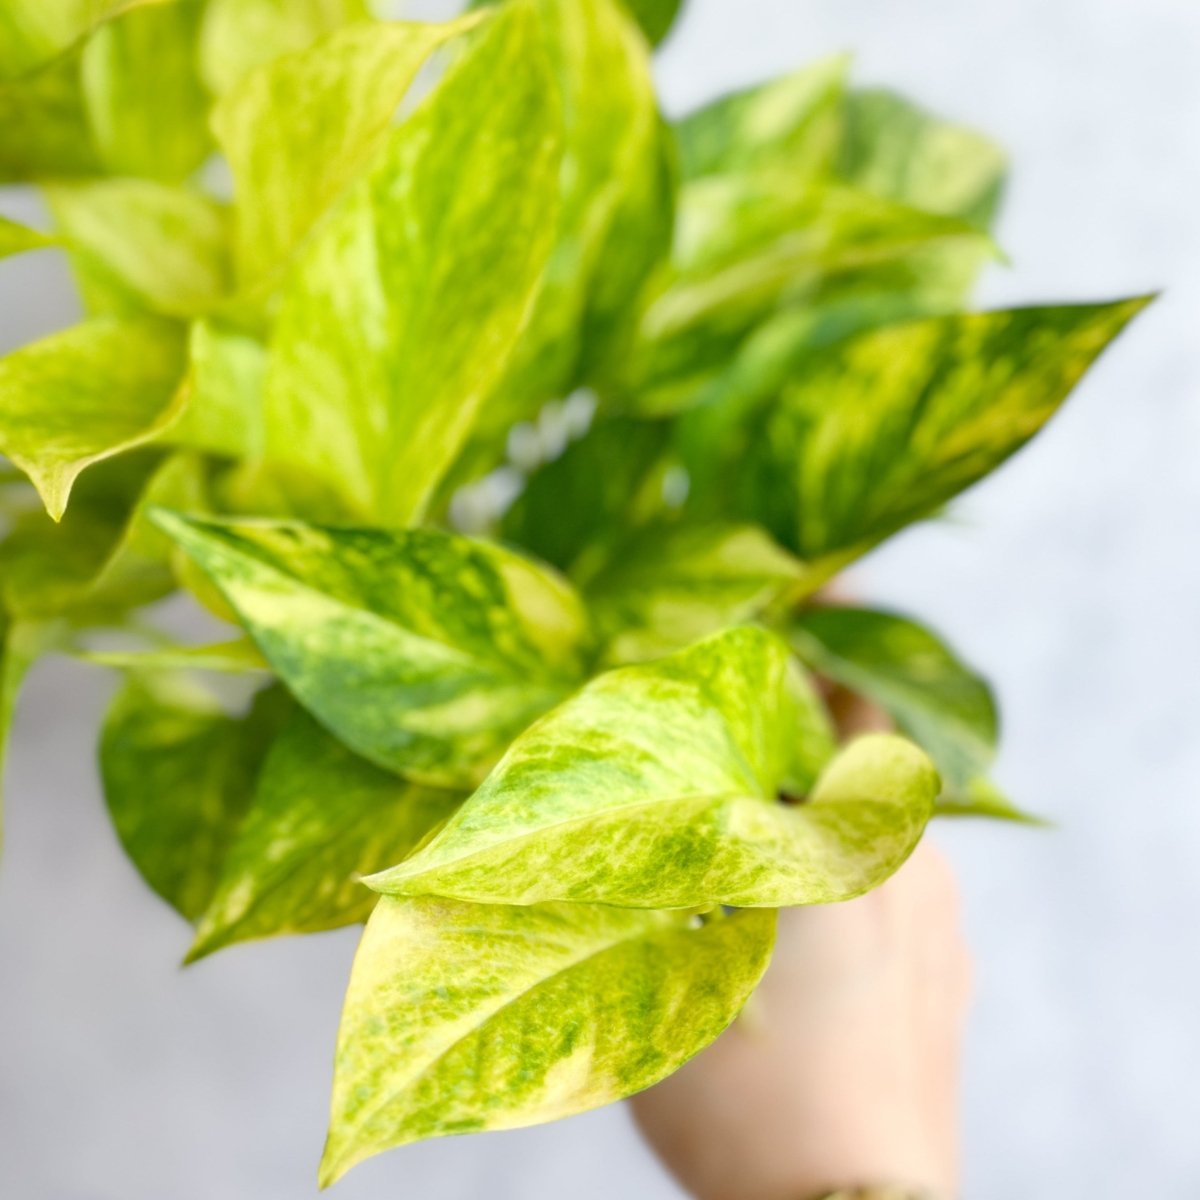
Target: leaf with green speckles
462 1017
658 786
18 239
329 108
438 254
240 35
794 123
139 246
614 223
57 415
321 818
178 776
146 106
668 586
933 696
882 429
425 652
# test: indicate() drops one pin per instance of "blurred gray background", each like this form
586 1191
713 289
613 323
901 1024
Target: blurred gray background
1072 579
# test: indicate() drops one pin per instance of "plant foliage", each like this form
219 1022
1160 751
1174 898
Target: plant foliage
513 431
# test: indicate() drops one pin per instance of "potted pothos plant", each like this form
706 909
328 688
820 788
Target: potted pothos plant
516 432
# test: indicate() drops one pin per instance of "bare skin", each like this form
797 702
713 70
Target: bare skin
844 1070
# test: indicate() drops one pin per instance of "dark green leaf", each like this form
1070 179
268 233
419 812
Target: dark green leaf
586 494
655 17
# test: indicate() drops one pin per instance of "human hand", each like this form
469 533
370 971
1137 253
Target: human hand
844 1070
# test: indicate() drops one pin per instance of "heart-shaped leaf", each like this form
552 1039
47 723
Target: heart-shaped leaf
658 786
462 1017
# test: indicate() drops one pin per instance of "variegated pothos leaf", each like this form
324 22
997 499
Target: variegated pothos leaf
425 652
463 1017
659 786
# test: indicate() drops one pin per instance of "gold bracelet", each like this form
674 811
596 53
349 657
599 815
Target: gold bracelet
876 1193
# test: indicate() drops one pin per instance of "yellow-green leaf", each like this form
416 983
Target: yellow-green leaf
178 775
146 106
425 652
614 221
299 130
234 657
139 246
224 413
879 430
404 310
103 556
34 31
239 35
656 17
980 797
44 131
748 246
321 819
85 394
658 786
462 1017
932 695
896 149
668 586
17 239
793 123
